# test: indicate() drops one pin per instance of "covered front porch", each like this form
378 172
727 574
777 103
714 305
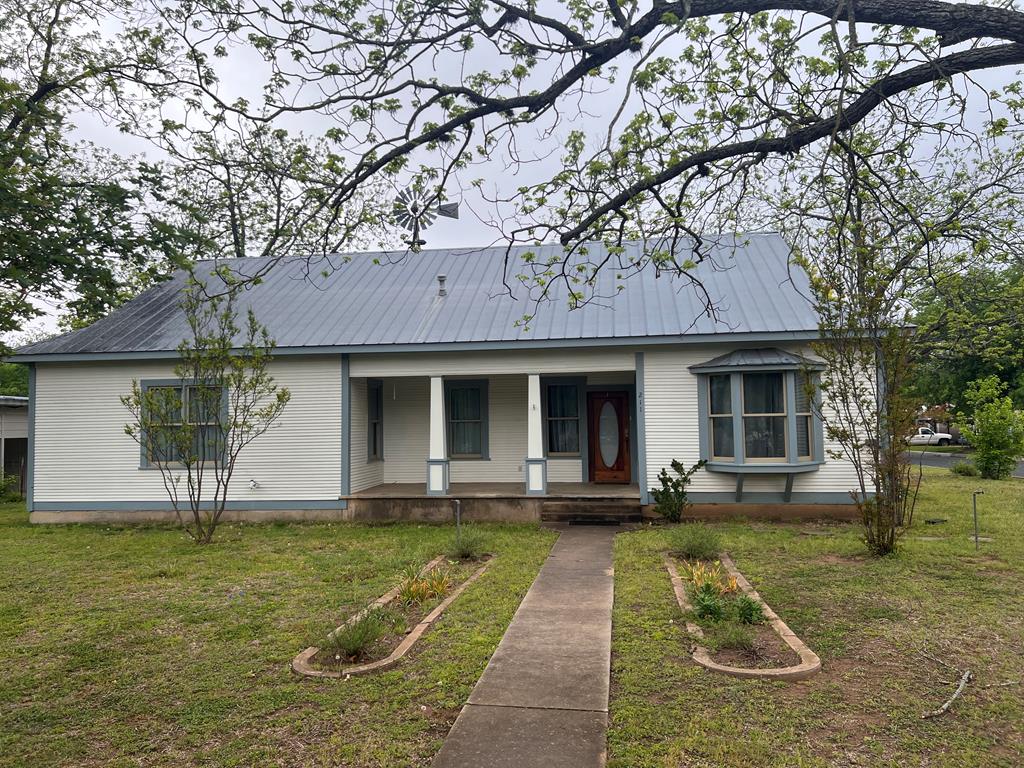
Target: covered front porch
560 435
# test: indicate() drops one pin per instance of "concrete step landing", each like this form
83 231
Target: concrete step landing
591 512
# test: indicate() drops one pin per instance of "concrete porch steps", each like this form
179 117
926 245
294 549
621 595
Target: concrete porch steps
590 511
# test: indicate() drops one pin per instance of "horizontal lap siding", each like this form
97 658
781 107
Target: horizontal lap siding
406 430
83 455
506 436
672 430
365 473
522 362
13 422
565 471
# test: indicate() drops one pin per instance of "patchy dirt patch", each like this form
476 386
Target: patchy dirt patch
831 558
768 652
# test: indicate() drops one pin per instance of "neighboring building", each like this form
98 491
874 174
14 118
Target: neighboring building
14 439
405 392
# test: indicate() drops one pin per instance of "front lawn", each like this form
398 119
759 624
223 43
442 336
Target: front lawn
878 625
132 646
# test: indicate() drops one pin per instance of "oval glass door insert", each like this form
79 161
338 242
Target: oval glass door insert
608 434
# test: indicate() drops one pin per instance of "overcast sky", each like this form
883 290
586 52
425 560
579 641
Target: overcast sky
241 76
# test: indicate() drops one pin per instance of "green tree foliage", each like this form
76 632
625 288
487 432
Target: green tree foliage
971 327
13 379
993 427
71 214
650 117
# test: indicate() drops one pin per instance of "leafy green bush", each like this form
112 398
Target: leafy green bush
470 545
748 610
708 603
670 501
731 636
695 541
964 468
9 488
993 427
354 639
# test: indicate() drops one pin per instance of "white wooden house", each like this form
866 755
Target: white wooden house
412 383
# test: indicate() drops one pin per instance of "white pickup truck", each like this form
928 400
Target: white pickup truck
925 436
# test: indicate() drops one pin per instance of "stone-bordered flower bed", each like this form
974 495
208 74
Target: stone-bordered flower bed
734 630
378 636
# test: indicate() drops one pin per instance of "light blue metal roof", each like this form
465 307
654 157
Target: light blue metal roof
770 357
380 300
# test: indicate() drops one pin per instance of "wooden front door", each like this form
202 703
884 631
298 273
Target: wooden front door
608 421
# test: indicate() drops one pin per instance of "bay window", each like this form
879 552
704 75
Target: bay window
757 412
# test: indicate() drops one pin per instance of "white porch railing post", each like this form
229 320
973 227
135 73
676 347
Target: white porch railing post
437 461
536 465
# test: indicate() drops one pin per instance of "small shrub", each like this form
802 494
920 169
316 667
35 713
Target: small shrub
708 603
705 576
354 639
748 610
439 581
670 501
731 636
470 545
965 468
415 588
695 541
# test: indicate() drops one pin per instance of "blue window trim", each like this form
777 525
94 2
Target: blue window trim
484 386
144 384
580 382
374 384
739 465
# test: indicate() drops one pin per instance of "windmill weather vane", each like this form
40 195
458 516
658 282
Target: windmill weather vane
416 211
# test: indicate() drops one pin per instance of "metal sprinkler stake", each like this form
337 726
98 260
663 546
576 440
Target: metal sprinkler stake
974 499
458 521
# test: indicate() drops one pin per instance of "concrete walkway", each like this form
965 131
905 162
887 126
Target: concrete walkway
543 699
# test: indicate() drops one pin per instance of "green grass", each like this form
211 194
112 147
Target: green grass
870 620
132 646
941 448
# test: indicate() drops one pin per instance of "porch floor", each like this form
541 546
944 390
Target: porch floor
501 491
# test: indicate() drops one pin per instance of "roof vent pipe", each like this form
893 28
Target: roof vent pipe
441 290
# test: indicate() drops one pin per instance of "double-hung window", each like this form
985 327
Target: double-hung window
804 421
720 414
466 406
764 416
183 423
562 412
375 419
